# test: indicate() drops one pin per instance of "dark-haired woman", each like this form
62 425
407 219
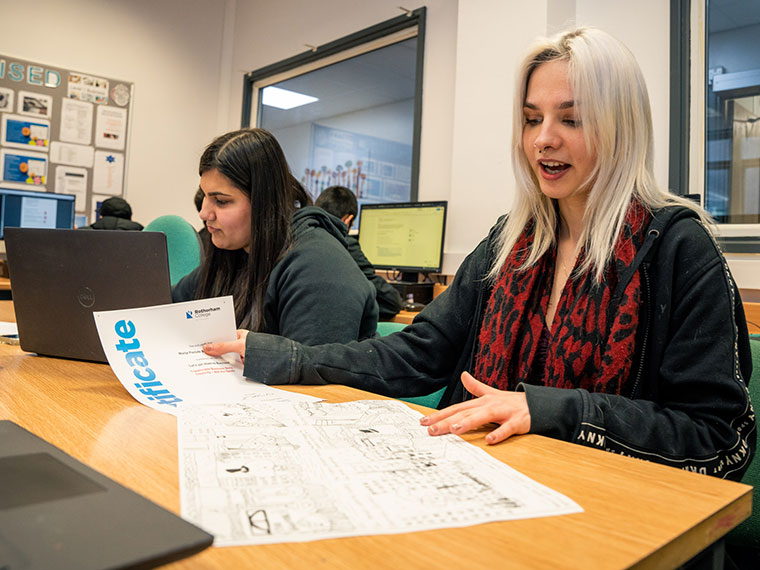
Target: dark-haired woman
284 262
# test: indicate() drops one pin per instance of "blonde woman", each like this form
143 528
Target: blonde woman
599 311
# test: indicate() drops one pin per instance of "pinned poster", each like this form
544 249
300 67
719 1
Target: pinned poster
111 127
23 132
72 180
73 154
35 104
23 167
76 121
6 99
108 173
87 88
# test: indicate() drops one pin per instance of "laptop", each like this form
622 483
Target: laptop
57 513
59 277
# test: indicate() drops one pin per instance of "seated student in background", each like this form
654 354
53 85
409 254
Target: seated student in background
115 214
599 311
341 203
284 262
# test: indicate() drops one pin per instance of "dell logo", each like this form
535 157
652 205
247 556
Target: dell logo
86 297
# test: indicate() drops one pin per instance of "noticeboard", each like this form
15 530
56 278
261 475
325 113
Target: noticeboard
63 131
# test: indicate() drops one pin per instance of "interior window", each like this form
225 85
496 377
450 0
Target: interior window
351 117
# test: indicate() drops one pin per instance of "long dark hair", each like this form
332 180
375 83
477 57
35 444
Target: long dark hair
255 164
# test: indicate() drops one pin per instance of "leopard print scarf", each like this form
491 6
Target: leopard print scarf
593 336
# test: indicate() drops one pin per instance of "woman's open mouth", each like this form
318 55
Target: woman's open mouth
553 167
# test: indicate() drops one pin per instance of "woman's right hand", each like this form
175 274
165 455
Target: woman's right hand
219 348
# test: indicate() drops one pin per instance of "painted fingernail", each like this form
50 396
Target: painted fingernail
432 430
424 421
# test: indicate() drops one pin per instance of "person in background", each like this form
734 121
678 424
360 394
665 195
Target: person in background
341 203
115 214
284 262
600 311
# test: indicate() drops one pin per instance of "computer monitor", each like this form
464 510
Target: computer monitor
35 209
406 237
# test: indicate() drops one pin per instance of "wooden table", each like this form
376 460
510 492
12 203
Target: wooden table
752 313
404 317
636 513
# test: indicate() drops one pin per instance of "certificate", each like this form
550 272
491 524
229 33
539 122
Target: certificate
157 354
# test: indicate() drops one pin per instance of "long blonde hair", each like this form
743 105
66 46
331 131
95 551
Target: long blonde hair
614 111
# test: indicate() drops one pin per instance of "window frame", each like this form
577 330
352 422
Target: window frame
688 100
405 26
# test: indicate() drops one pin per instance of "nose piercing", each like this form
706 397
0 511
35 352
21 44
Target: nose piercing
540 150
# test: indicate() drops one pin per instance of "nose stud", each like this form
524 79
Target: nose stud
540 150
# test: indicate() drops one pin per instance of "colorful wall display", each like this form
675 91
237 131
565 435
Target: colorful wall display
63 131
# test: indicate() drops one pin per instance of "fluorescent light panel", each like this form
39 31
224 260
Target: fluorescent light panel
284 99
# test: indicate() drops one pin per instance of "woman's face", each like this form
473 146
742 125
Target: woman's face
226 211
553 139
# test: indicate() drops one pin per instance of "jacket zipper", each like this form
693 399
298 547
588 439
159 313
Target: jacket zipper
648 314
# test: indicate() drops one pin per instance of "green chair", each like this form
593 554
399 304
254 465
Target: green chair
431 400
747 534
182 244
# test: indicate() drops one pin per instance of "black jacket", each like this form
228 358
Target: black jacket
689 406
114 223
388 298
315 294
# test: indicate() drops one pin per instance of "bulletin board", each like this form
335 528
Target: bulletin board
64 131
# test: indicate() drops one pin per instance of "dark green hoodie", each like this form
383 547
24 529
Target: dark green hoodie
316 293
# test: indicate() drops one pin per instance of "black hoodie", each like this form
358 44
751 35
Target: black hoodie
688 407
316 294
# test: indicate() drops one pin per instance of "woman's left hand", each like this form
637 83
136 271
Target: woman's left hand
510 409
219 348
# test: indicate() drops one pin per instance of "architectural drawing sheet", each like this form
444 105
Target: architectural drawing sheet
299 471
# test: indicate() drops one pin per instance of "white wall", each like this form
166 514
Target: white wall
170 49
492 36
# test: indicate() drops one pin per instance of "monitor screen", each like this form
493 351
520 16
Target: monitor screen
35 209
405 237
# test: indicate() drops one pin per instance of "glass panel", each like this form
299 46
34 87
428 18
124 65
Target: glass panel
732 150
359 131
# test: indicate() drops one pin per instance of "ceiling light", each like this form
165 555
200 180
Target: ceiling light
284 99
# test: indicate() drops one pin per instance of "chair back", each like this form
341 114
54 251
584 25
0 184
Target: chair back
747 534
182 243
431 400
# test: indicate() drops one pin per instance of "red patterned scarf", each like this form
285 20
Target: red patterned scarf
592 338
